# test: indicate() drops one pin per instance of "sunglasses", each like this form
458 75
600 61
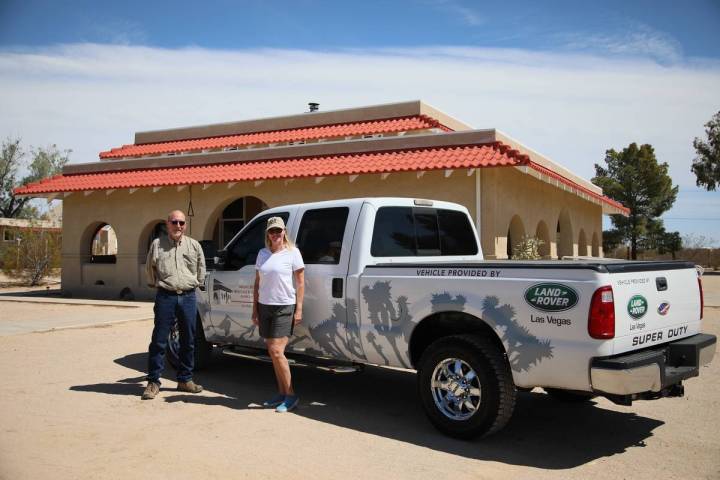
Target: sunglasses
178 222
275 231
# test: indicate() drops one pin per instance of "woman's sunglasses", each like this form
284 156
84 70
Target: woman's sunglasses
275 231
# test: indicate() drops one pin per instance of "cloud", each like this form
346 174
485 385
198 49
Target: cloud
456 9
568 106
119 32
636 40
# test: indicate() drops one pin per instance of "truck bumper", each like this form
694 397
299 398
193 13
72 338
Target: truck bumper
653 371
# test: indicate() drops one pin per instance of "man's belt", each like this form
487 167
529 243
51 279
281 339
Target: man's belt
176 292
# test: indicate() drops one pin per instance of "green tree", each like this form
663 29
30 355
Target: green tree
634 178
528 248
32 258
611 240
46 162
657 238
671 243
706 165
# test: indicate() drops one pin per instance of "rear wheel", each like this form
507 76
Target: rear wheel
203 349
466 386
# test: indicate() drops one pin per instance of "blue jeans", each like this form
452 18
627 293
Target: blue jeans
168 307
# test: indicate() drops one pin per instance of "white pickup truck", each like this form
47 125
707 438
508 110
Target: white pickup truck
402 282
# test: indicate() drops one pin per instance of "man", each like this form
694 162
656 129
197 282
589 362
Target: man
175 267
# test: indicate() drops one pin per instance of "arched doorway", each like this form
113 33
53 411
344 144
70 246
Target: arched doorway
564 235
515 235
543 234
151 231
103 244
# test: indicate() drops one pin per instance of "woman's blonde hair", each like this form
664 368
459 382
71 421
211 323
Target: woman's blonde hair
286 240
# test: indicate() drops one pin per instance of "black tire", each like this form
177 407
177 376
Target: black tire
490 390
568 396
203 349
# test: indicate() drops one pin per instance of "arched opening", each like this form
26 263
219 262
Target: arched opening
103 246
595 245
543 233
564 235
582 244
233 217
515 234
151 231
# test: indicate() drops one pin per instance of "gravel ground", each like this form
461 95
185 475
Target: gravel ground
70 408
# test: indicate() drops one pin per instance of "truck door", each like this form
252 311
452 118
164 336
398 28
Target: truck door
324 238
231 287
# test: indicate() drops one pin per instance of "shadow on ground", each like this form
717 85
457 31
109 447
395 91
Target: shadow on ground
543 432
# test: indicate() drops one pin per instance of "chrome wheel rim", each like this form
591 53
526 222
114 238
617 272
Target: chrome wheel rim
455 388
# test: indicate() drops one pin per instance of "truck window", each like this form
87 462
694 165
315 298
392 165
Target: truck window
456 234
394 233
320 237
243 249
408 231
426 231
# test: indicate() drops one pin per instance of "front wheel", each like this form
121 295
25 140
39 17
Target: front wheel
203 349
466 386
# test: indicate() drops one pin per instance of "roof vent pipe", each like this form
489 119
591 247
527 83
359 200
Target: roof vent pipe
314 107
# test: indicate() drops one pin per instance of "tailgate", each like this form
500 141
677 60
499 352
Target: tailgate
655 306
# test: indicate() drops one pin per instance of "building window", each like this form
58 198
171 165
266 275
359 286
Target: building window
232 220
104 245
9 235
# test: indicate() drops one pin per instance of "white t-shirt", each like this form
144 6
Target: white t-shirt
276 275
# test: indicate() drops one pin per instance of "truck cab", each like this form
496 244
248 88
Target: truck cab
338 240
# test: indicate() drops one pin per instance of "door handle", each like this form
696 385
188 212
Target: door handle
337 287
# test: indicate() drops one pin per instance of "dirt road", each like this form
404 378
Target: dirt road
70 408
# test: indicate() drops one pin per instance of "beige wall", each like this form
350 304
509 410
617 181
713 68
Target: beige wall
506 192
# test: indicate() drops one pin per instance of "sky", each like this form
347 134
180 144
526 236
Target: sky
568 79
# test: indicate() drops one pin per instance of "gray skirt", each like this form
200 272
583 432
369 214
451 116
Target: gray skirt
276 321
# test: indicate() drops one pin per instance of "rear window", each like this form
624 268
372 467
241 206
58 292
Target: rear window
413 231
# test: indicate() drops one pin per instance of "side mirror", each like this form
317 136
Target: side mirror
220 259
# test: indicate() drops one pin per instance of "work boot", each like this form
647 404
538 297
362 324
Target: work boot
151 390
189 387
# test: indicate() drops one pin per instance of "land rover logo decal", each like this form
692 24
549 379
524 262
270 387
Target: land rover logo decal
551 297
637 306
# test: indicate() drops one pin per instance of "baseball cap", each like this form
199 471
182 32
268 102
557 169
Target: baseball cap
275 222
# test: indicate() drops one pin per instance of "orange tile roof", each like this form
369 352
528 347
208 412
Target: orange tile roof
347 164
417 122
434 158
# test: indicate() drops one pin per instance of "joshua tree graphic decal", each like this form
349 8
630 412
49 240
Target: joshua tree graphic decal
524 350
442 302
388 324
326 334
333 338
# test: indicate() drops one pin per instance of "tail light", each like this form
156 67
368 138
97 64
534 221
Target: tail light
601 319
702 298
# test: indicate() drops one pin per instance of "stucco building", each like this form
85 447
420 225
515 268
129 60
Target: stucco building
224 174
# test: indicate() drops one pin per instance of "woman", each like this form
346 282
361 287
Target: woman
277 306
